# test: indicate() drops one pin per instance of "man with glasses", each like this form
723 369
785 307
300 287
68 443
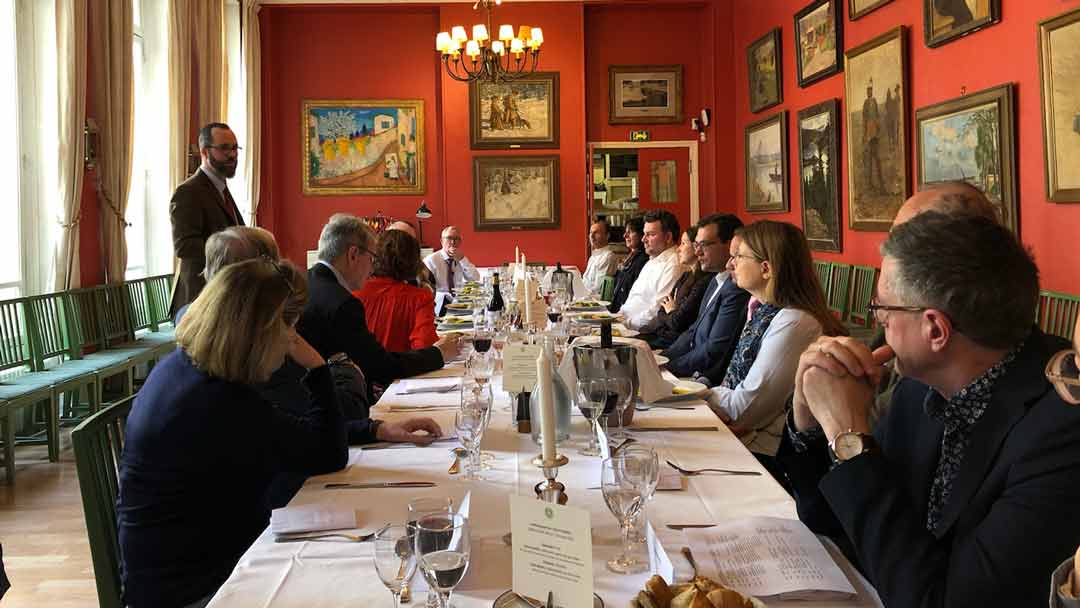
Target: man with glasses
449 264
965 493
201 206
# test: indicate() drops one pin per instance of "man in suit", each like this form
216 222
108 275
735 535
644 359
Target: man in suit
449 265
707 345
201 206
333 320
965 493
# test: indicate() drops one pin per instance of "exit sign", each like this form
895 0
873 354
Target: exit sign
639 135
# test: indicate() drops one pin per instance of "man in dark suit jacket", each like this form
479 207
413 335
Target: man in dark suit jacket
965 494
333 320
201 206
706 347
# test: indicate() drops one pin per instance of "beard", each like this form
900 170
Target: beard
223 167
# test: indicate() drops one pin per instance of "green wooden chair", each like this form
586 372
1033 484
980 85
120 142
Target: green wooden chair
1057 313
824 275
58 353
93 333
607 288
863 282
159 294
20 388
137 299
838 296
98 443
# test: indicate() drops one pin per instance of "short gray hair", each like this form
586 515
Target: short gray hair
236 244
344 230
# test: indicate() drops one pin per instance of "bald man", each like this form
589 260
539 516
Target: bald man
950 198
404 227
449 264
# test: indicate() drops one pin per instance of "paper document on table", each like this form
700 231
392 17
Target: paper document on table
769 557
311 518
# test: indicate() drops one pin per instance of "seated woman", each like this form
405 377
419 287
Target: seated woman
201 446
787 312
400 315
627 272
680 308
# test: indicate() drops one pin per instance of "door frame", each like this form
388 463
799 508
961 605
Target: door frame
692 148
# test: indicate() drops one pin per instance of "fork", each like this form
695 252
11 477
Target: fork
693 472
356 538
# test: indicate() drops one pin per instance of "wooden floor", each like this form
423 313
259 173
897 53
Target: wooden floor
46 553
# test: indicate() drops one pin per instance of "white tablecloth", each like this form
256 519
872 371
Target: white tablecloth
315 574
545 281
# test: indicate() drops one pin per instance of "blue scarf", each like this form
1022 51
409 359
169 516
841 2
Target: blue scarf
749 344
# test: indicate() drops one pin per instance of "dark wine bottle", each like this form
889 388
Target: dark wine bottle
605 334
523 417
496 306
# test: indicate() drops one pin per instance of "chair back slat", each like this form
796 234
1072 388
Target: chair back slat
838 292
112 304
139 306
15 344
863 281
49 316
159 290
98 443
824 275
607 288
1058 313
86 319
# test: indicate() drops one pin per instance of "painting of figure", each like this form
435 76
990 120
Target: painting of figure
875 102
514 193
1059 54
363 147
818 171
663 176
644 94
818 41
766 165
946 20
764 71
522 113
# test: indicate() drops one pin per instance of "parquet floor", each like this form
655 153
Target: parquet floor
46 552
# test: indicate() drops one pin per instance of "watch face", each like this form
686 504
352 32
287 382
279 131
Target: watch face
848 445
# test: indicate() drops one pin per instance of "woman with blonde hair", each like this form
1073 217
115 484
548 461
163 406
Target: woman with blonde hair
201 446
787 312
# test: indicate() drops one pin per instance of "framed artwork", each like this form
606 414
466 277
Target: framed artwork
875 108
523 113
947 20
819 41
664 181
858 8
766 165
363 146
972 138
644 94
516 192
1059 63
764 71
819 167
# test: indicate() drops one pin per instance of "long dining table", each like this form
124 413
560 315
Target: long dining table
341 572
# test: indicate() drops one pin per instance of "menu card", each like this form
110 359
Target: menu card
311 518
769 557
519 367
552 552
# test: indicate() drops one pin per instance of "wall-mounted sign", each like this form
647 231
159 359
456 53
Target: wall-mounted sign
642 135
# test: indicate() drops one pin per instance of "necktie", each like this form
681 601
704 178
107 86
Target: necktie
230 207
450 275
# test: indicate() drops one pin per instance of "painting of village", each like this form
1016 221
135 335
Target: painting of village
363 147
817 28
523 113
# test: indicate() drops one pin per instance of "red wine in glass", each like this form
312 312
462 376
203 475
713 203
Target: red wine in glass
554 317
482 344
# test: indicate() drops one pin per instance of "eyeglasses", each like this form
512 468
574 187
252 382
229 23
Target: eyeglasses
452 239
362 250
225 147
282 272
1062 372
874 307
704 244
743 256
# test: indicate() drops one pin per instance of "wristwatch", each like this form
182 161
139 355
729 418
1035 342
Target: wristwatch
849 444
338 359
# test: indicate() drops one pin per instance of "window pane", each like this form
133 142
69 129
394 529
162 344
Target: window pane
10 255
136 208
237 106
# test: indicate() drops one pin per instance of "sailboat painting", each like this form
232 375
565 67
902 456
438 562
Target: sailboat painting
767 165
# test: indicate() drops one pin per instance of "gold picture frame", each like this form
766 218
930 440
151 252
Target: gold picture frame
645 94
1059 71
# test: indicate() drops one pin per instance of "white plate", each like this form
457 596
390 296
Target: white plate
688 390
660 359
583 318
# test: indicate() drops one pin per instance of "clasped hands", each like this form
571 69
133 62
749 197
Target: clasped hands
835 385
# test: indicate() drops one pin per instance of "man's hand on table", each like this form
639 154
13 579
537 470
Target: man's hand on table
449 345
406 431
834 385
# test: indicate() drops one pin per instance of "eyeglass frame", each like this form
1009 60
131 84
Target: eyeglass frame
699 245
738 256
226 147
281 272
1060 381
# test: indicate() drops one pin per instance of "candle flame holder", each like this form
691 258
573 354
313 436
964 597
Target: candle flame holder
551 490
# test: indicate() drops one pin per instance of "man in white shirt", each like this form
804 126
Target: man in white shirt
659 274
449 264
602 262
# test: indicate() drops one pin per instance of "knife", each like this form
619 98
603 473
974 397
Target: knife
380 484
689 526
647 429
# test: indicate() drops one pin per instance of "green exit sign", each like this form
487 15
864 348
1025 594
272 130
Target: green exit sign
639 135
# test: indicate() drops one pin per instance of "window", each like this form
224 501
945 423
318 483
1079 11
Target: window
237 105
10 258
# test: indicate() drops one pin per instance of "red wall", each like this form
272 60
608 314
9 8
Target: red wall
1006 52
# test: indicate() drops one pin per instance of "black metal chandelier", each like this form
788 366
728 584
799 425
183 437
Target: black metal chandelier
482 59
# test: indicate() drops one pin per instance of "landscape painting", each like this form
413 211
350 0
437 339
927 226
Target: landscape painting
858 8
819 164
874 105
1059 59
363 147
764 71
818 41
516 192
644 94
766 165
946 20
972 139
522 113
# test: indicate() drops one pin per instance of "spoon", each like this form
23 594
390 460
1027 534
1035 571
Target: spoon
455 467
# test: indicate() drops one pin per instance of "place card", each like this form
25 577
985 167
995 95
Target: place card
659 562
519 367
552 552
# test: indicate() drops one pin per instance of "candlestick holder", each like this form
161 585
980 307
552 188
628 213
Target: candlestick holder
551 490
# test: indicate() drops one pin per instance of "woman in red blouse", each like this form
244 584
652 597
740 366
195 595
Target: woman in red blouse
399 314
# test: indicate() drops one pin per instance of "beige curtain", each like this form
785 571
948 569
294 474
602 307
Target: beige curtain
211 67
180 27
71 115
110 48
252 56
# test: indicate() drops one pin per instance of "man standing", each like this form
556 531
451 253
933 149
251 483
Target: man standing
659 274
201 206
871 127
449 264
602 262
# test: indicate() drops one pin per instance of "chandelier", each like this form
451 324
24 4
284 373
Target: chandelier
507 58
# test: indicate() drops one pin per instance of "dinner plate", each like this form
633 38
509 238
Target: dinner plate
511 600
595 318
685 390
459 306
587 306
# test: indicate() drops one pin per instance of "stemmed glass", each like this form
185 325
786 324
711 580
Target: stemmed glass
395 558
419 508
481 366
442 550
591 395
627 480
620 393
470 421
645 451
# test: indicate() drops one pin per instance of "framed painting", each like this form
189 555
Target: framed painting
645 94
875 108
523 113
972 139
819 41
1059 63
664 181
516 192
363 146
858 8
947 20
766 165
764 71
819 167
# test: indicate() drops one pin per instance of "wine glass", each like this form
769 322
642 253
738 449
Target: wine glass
395 558
419 508
470 421
442 550
480 367
646 452
590 400
626 481
481 395
482 337
620 392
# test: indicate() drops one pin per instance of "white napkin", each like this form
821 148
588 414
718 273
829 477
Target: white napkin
651 385
311 518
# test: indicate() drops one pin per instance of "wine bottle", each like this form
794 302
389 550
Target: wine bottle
496 306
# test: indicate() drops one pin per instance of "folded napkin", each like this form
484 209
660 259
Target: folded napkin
419 387
311 518
651 384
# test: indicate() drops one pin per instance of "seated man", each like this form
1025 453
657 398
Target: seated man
602 262
965 494
659 274
449 264
710 340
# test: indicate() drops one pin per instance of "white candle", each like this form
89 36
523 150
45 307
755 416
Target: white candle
517 255
528 304
547 405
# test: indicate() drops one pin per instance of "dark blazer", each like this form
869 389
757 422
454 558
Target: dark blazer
707 345
688 293
625 276
196 211
1012 515
199 455
333 322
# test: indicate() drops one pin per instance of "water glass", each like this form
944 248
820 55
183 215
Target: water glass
480 367
627 481
442 550
419 508
395 558
637 533
590 396
470 421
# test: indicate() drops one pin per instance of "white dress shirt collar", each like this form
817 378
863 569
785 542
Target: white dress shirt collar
337 275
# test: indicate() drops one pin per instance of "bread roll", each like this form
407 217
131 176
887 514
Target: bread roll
660 591
728 598
646 600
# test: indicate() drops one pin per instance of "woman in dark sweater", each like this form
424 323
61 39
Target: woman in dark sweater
201 446
630 267
680 308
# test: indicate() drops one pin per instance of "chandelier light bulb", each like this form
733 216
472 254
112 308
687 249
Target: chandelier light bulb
497 47
443 42
537 37
517 46
506 33
472 49
479 33
459 34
